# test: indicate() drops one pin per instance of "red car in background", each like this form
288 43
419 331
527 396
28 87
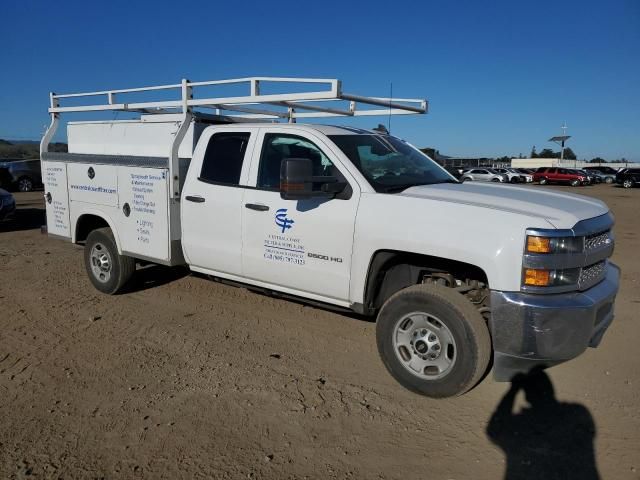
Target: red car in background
546 175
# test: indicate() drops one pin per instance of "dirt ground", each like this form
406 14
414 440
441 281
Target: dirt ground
187 378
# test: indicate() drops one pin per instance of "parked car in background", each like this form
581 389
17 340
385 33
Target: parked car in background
5 177
513 176
23 175
482 175
592 178
528 173
546 175
606 174
605 170
628 177
454 171
7 204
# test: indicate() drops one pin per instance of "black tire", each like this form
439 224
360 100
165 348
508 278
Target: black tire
609 180
543 181
25 184
575 183
466 179
463 322
627 183
118 269
514 180
495 179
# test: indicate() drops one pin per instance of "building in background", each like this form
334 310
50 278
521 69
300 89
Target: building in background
556 162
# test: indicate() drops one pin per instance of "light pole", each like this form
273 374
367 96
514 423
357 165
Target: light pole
560 140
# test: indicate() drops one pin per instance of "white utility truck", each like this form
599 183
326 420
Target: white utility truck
454 274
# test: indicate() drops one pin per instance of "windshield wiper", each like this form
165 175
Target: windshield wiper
400 188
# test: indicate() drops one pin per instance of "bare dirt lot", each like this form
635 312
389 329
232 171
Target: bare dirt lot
187 378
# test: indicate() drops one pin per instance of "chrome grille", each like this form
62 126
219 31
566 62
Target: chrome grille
597 240
592 274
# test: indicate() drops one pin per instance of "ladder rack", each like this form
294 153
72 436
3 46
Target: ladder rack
326 100
288 105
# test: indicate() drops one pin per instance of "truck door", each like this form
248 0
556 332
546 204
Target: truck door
211 200
302 245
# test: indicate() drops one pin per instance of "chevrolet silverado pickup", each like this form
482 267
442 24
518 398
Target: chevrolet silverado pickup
458 276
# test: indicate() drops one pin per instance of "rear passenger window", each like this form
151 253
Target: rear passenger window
223 158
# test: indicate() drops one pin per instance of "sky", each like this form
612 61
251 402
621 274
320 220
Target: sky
500 76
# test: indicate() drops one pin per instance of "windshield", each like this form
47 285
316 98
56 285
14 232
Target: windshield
390 164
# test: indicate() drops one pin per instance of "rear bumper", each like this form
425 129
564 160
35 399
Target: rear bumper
533 330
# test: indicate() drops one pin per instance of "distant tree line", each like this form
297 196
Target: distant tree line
548 153
19 151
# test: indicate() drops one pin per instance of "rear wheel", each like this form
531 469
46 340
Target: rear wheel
107 269
627 183
433 340
543 181
575 183
495 179
465 179
514 180
25 184
608 180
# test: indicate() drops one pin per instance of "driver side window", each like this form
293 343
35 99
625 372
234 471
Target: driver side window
276 147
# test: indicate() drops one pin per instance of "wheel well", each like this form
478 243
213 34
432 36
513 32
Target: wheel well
391 271
88 223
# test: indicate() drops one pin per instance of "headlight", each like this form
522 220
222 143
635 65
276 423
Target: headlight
550 278
537 244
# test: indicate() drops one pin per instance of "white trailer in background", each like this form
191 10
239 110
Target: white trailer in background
337 216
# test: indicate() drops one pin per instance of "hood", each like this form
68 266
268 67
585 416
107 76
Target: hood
562 210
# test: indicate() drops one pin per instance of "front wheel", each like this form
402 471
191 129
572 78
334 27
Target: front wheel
627 183
495 179
433 340
543 181
576 183
107 269
608 180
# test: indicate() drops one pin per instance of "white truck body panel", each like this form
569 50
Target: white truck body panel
151 137
54 178
145 231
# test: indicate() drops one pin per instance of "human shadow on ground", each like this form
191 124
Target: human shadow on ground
547 439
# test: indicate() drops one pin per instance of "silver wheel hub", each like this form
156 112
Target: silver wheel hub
424 345
100 262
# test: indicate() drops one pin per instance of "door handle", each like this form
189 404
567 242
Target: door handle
195 198
256 206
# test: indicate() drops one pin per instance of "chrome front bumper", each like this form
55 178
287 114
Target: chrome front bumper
535 330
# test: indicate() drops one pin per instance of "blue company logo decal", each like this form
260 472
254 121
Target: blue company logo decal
282 221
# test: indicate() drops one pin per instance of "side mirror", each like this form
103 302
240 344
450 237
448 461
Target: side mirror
297 181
